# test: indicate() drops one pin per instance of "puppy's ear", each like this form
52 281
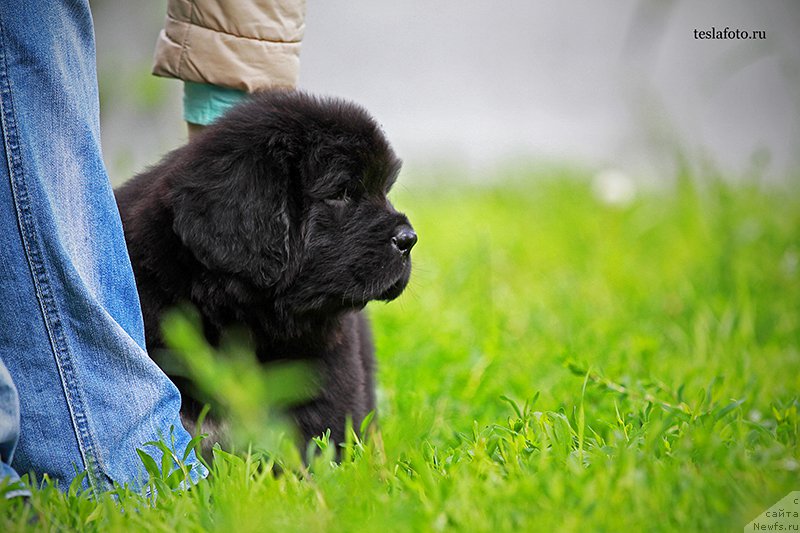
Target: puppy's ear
230 210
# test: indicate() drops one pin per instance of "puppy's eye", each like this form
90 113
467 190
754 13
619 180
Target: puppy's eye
339 200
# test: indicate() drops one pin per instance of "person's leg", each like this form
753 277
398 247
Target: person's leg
71 333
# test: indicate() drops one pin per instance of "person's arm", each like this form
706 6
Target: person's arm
204 103
193 130
224 49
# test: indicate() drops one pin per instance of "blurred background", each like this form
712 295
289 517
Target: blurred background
475 86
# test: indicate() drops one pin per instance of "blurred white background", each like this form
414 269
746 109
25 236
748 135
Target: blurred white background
471 86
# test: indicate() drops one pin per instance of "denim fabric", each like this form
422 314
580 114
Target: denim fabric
9 430
71 332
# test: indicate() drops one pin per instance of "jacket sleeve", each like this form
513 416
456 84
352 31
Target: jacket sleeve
239 44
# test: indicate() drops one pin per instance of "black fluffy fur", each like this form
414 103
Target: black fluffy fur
275 218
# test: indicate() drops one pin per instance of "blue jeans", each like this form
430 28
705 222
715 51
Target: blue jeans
77 389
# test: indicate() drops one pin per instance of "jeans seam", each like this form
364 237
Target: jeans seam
41 280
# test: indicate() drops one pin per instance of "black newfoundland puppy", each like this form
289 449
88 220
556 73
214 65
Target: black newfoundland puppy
276 218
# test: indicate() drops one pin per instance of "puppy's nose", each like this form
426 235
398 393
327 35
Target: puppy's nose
404 239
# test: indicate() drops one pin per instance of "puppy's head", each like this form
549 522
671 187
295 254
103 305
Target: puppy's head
289 192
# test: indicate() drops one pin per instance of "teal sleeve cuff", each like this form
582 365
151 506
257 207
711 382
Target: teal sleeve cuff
203 104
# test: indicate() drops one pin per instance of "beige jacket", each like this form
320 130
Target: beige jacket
241 44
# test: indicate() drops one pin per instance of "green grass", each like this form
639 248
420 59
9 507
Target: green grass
556 363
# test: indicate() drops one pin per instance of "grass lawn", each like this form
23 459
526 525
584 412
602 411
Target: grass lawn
557 363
